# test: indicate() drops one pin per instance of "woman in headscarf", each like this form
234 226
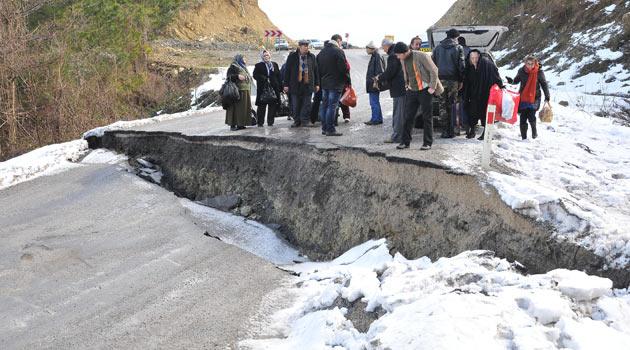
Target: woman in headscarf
479 76
238 115
267 73
532 79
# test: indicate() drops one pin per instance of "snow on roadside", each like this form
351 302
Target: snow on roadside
575 175
56 158
215 81
121 125
248 235
472 300
47 160
103 156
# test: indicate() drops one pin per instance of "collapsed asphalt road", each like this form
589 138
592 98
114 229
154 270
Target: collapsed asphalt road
95 257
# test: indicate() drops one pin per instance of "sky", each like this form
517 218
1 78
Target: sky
365 21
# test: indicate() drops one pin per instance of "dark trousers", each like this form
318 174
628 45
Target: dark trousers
414 100
528 115
301 104
271 116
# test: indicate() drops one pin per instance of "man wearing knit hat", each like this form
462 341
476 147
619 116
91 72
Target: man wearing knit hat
422 83
375 67
449 58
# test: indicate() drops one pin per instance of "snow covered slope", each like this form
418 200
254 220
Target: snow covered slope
470 301
580 43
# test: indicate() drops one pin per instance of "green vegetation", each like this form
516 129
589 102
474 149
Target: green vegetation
67 66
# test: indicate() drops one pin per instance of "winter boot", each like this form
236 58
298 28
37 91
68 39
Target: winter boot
534 130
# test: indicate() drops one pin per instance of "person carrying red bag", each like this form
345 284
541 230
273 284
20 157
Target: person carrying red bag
532 79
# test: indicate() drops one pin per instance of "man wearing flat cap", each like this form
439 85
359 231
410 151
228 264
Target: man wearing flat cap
301 80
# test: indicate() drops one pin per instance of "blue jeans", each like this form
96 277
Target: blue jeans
330 100
375 103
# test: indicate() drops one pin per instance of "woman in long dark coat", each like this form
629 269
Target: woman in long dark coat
532 79
479 76
267 73
238 115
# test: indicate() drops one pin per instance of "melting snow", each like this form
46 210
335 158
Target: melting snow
47 160
472 300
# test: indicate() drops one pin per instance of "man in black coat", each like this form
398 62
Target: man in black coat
334 77
480 74
394 79
267 75
449 58
301 80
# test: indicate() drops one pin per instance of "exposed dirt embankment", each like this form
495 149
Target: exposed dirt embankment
221 20
328 200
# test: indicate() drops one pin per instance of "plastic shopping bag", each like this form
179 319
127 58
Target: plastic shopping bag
546 114
349 97
504 103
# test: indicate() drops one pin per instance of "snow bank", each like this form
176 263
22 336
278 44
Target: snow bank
120 125
575 175
472 300
47 160
103 156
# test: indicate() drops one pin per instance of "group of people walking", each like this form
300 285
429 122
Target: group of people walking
459 77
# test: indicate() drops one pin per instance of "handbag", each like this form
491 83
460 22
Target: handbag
268 95
349 97
229 94
382 85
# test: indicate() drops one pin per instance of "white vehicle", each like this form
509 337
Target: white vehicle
317 44
281 44
482 38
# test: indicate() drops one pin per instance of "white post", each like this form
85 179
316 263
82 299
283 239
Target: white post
486 152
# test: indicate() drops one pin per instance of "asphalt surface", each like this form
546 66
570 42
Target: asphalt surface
96 257
355 133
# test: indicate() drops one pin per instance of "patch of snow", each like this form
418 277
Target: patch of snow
498 55
47 160
608 54
472 300
610 9
103 156
121 125
248 235
214 82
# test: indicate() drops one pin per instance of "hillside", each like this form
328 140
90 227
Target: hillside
581 41
69 66
220 20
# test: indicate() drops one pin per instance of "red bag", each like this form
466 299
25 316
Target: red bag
349 97
502 105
